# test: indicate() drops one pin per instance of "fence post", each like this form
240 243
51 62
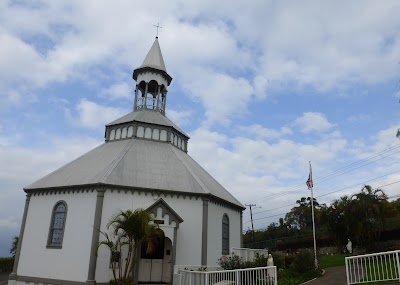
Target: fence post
398 265
206 278
237 277
276 276
347 270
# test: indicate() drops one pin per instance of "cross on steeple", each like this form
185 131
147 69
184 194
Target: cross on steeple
158 27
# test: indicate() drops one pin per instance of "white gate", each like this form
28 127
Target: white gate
383 266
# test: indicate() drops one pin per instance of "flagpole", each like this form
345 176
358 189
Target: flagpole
313 219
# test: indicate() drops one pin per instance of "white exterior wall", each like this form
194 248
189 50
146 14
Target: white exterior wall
71 262
148 76
188 250
188 233
214 242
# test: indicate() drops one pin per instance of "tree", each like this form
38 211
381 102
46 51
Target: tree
300 216
14 246
369 210
128 231
338 221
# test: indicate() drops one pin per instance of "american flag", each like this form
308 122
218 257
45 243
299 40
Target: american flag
309 181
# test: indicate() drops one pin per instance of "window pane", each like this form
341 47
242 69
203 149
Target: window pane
58 220
60 208
57 224
225 234
57 236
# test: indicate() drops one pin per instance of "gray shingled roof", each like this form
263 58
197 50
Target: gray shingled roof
154 61
137 163
154 57
147 116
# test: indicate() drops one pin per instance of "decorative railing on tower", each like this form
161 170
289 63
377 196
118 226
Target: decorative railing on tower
150 96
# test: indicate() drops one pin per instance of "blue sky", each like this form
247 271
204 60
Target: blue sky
261 88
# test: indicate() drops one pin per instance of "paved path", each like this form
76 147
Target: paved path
332 276
4 277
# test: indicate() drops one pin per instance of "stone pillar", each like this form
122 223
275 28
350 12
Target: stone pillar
136 98
145 96
204 232
241 228
158 98
95 236
164 101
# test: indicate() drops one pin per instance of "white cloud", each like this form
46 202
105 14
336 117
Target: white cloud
93 115
222 96
311 122
180 118
359 118
266 133
119 90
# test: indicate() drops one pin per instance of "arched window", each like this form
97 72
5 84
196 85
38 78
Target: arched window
225 234
57 224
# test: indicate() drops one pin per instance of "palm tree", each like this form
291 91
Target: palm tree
337 221
129 229
369 207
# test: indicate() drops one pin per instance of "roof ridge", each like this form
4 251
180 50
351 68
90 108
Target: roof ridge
111 166
198 180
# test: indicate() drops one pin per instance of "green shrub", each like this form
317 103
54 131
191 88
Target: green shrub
259 261
279 260
290 277
231 262
6 264
303 261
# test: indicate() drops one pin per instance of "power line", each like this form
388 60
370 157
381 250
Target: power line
340 171
326 194
381 186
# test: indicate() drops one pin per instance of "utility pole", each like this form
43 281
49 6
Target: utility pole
251 218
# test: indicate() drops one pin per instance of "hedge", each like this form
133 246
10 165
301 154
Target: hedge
6 264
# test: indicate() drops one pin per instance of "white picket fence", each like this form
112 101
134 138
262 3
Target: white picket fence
250 276
179 268
383 266
248 254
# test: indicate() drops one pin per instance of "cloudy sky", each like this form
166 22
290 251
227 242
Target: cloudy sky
262 88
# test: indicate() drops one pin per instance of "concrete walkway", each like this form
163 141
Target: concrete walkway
332 276
4 277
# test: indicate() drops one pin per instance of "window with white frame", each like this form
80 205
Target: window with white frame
57 225
225 234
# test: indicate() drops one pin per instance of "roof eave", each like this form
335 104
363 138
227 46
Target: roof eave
151 69
105 185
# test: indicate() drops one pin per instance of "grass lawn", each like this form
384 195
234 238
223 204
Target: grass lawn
332 260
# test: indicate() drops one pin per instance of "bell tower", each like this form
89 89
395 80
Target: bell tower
152 81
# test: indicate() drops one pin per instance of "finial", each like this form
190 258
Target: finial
158 27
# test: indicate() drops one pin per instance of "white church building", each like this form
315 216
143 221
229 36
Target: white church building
143 163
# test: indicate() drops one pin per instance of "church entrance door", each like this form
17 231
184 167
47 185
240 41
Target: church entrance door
167 262
155 260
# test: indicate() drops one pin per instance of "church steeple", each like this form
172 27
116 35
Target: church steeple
152 81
